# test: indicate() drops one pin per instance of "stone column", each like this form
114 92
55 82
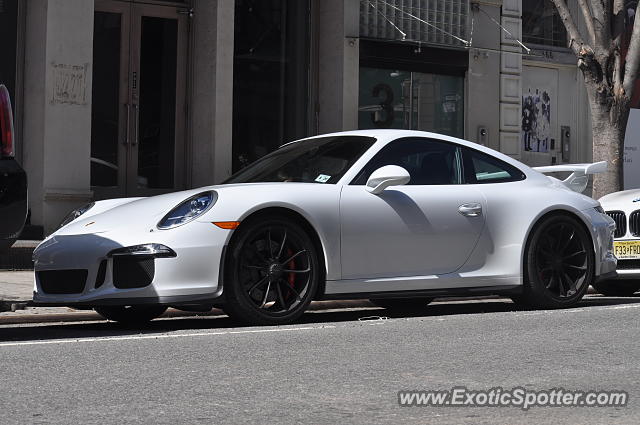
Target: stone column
211 106
483 77
57 107
338 65
511 80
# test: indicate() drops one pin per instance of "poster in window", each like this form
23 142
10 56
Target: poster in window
536 119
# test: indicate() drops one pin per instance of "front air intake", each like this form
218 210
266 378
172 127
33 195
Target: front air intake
628 264
133 271
621 222
62 281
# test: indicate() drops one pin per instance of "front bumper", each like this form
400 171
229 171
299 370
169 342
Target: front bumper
628 269
191 276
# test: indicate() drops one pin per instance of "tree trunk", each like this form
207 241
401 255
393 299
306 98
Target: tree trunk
609 117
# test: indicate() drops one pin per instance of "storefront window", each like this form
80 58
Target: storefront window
8 38
270 84
411 100
541 24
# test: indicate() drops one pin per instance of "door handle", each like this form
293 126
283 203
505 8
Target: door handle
136 109
473 209
126 137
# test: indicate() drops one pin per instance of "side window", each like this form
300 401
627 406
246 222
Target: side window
428 161
481 168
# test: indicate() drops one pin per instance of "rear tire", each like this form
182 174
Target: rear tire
131 314
621 288
402 305
559 263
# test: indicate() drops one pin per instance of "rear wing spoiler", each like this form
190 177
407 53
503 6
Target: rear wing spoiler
579 177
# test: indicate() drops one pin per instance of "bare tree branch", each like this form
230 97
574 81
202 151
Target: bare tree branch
618 19
588 19
576 41
618 30
598 10
633 57
617 72
606 20
601 11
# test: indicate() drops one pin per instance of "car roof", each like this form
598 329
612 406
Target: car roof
384 136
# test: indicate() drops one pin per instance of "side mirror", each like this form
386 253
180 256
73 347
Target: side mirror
389 175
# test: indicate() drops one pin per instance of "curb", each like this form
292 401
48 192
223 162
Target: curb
91 316
12 305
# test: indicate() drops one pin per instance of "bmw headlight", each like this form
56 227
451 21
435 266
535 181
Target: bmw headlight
75 214
188 210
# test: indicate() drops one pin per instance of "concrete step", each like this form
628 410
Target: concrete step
18 257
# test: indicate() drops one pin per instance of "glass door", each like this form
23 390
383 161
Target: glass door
392 98
138 122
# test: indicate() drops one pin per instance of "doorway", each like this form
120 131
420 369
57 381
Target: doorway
392 98
138 105
270 76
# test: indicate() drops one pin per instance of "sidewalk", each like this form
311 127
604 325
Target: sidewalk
16 285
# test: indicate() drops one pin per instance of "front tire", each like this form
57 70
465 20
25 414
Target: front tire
559 263
131 314
611 288
272 272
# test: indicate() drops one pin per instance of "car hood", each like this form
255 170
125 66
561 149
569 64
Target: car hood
625 200
145 213
130 212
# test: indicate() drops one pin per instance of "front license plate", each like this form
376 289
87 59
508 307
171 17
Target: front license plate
627 250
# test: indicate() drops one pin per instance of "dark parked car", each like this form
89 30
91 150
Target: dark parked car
13 180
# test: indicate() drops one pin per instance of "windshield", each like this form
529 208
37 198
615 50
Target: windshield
322 160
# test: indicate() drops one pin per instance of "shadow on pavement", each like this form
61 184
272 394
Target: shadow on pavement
102 329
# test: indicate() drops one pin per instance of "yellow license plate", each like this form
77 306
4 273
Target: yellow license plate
627 250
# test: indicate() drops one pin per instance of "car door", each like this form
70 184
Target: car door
428 227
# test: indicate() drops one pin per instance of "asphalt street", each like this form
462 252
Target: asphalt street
334 366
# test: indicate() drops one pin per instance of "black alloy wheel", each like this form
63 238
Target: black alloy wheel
559 263
272 272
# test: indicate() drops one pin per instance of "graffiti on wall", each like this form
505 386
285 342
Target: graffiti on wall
536 120
69 84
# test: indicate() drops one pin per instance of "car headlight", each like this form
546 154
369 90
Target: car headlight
75 214
188 210
600 210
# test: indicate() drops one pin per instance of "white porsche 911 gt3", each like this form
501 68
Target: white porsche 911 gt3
398 217
624 208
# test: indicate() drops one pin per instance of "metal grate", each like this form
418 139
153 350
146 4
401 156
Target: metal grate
634 223
62 281
133 271
541 24
379 19
621 223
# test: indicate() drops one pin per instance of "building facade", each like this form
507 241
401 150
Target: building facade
121 98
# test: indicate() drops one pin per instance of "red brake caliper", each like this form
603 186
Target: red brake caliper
291 265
